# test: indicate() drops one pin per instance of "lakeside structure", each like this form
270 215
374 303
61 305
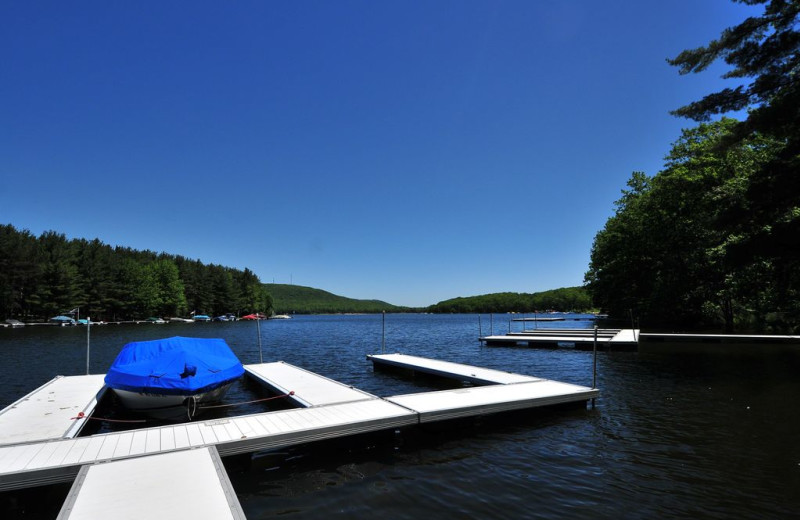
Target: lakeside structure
40 440
634 339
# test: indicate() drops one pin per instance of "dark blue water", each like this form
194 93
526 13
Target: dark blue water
689 436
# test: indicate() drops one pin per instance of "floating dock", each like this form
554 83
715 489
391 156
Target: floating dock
546 319
581 339
447 369
105 468
504 391
133 489
309 389
46 413
721 343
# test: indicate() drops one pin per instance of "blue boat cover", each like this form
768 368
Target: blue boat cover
174 366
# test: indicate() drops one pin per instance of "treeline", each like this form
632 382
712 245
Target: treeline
713 240
575 299
298 299
44 276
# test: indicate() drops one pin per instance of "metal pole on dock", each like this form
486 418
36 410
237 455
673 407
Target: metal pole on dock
258 327
594 363
383 331
480 331
491 324
88 325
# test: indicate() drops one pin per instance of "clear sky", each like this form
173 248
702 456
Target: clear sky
408 151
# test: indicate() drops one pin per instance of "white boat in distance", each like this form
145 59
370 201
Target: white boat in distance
280 317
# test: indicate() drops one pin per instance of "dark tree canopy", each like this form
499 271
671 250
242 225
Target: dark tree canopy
715 236
766 51
48 275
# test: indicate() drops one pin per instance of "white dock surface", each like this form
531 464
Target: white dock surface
41 463
450 370
310 389
466 402
46 413
335 410
625 337
183 484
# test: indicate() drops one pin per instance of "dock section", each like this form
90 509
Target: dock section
468 402
343 412
652 342
476 375
51 462
47 413
580 339
309 389
504 391
199 488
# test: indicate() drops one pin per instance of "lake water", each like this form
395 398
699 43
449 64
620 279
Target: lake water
672 436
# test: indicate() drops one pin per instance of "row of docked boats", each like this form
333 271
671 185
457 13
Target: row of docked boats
196 318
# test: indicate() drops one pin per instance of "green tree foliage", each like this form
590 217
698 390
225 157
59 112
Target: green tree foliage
763 53
49 275
565 299
664 254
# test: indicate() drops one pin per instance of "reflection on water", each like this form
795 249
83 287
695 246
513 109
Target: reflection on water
688 436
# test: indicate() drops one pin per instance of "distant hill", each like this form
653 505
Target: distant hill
307 300
564 299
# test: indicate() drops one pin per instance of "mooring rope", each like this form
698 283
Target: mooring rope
194 409
82 415
248 402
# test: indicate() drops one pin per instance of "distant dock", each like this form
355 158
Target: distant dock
653 342
580 339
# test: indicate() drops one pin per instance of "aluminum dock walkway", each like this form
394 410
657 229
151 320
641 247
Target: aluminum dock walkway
46 413
332 410
581 339
309 389
477 375
505 391
133 489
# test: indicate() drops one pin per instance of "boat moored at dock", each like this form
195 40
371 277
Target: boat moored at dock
169 378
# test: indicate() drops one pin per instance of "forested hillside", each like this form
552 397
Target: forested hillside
43 276
306 300
564 299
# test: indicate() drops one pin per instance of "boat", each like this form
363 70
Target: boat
181 320
256 316
63 320
155 320
14 324
280 317
202 317
226 317
172 378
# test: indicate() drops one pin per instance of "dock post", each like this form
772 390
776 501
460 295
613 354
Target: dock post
258 327
480 331
88 325
383 331
594 363
491 324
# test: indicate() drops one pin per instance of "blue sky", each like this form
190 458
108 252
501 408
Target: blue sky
406 151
